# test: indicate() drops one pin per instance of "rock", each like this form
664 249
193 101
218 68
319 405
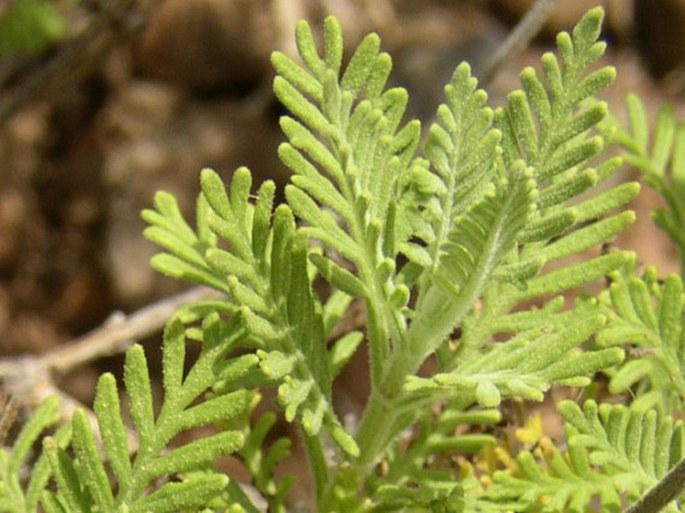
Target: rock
207 44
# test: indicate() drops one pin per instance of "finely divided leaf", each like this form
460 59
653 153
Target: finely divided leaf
153 465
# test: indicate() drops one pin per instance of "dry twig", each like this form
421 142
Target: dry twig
524 32
32 378
666 490
8 414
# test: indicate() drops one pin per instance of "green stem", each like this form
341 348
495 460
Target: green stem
317 465
437 314
376 431
374 435
383 421
435 319
383 415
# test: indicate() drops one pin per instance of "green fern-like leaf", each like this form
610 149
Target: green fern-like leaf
548 126
476 244
349 156
549 123
660 157
264 272
453 254
648 316
545 126
83 482
613 452
528 364
261 459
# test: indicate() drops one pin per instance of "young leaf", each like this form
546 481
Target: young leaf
648 315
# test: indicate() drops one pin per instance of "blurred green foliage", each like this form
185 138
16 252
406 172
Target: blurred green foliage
30 27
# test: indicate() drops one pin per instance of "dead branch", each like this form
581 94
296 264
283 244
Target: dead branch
31 378
524 32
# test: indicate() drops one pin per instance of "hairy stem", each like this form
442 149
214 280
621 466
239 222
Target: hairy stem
317 465
374 431
379 424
